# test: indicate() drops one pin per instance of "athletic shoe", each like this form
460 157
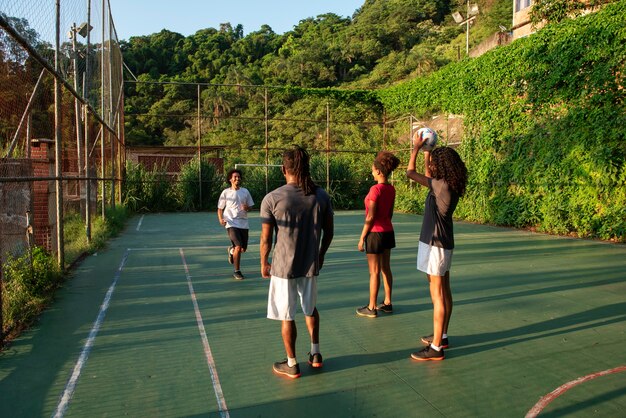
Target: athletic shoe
428 340
283 368
315 360
385 308
366 311
428 353
238 276
230 255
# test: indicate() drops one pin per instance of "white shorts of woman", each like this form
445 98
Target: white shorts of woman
284 294
432 260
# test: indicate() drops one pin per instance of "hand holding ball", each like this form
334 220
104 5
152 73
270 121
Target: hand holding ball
425 136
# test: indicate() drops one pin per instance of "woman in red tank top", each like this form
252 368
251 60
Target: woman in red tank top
377 237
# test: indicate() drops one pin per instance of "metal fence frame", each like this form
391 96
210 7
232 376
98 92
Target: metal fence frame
87 97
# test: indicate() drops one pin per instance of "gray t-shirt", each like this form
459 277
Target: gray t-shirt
440 204
298 221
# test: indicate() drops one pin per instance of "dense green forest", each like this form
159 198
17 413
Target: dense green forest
384 42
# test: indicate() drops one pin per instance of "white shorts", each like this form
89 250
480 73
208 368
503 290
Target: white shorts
283 297
433 260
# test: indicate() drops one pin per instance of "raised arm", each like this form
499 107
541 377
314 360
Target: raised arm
411 173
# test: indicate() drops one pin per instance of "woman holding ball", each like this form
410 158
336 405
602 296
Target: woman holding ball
445 175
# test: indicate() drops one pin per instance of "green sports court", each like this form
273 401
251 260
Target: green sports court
155 326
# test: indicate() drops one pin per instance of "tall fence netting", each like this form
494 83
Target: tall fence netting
61 151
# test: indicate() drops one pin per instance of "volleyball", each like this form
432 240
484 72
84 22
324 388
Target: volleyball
431 138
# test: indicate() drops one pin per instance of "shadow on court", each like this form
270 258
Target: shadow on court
179 337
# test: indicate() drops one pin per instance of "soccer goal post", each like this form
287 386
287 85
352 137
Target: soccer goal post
266 166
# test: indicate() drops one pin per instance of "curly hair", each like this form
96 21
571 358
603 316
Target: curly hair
386 162
297 162
231 172
449 167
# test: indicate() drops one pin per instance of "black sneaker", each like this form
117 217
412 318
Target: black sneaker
385 308
428 353
283 368
230 255
238 276
428 340
315 360
366 311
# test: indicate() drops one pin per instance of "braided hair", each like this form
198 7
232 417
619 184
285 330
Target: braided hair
296 162
450 168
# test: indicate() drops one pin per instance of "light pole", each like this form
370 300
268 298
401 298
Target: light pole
472 11
81 30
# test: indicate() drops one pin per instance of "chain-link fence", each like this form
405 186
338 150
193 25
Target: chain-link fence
252 125
61 121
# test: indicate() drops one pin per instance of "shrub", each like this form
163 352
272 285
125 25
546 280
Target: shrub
146 191
187 192
27 287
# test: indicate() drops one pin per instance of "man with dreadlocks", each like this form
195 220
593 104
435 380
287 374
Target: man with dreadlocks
445 176
301 214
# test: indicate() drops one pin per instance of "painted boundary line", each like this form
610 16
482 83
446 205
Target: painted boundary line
543 402
177 248
219 395
71 384
140 222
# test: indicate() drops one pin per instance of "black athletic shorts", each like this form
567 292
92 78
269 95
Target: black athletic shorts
239 237
378 242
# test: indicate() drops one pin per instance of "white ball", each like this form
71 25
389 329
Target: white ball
431 138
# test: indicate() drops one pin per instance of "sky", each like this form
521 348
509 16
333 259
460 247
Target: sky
144 17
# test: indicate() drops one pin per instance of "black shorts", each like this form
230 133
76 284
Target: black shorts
239 237
378 242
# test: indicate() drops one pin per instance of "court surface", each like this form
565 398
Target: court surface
155 326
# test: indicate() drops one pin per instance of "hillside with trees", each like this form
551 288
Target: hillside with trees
384 42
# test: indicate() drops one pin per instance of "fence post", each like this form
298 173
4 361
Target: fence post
111 120
1 318
78 113
87 95
102 90
327 146
199 152
267 139
384 128
57 142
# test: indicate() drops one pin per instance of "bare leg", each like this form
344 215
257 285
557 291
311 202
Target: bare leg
313 325
436 295
374 261
387 276
447 301
289 333
237 251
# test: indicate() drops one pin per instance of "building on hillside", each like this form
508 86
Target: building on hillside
521 26
170 159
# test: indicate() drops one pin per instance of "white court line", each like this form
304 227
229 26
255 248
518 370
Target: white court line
140 221
178 248
71 384
219 395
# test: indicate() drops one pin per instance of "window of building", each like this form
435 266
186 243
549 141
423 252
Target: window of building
522 4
